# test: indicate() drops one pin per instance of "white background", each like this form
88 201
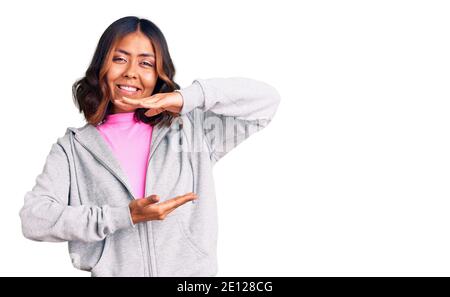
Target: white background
350 178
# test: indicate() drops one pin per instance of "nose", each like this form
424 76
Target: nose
130 72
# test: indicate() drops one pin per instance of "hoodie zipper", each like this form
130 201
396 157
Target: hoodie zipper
146 224
149 223
131 193
150 269
147 250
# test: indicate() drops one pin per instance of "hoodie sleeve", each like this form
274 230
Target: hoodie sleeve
231 109
46 215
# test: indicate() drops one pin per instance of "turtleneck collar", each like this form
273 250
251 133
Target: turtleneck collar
121 117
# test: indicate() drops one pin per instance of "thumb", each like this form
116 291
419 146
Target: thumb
151 199
153 111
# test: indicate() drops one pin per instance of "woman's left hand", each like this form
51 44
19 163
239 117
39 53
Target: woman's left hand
157 103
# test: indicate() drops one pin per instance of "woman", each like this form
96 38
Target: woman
132 191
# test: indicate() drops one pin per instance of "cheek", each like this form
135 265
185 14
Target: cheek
112 75
149 80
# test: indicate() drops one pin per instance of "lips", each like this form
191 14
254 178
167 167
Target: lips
128 89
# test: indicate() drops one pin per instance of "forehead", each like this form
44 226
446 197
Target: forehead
135 43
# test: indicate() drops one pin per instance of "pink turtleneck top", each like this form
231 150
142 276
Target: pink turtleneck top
130 141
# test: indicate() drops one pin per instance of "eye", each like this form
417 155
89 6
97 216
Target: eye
116 59
147 63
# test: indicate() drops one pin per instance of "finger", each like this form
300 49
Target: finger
152 199
153 104
123 106
173 203
142 102
120 103
169 211
131 102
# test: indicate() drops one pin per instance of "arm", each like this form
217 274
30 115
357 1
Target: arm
46 215
232 109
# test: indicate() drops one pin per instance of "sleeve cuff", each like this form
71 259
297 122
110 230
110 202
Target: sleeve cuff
121 217
193 97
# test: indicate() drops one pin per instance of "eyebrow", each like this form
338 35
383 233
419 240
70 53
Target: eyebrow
140 55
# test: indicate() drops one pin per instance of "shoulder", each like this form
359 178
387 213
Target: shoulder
65 140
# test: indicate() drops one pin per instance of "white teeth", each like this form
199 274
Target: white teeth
126 88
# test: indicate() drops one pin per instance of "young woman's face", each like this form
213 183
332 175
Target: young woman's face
133 70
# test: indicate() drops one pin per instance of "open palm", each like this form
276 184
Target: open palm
157 103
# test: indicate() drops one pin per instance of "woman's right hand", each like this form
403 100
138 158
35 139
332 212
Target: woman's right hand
146 209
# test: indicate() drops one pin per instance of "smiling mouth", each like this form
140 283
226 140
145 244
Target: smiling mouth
127 89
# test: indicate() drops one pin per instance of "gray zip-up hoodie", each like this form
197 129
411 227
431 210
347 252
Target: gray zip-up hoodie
82 194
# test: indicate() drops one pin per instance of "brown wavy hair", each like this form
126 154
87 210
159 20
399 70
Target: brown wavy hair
91 93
